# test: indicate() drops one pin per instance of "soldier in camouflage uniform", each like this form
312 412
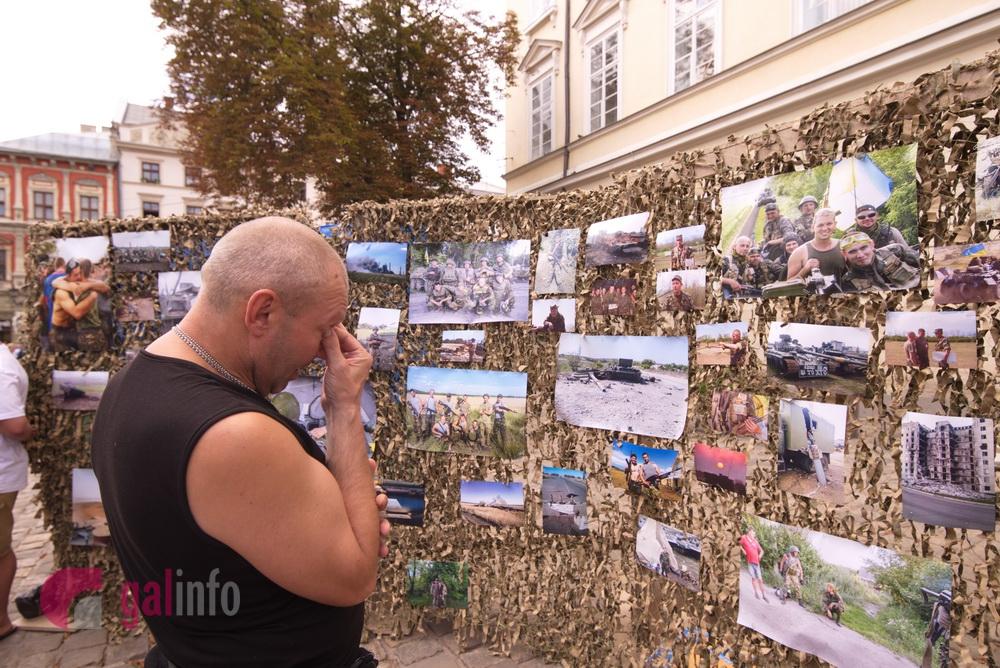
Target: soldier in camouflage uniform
762 274
680 254
676 299
892 267
431 276
483 297
779 267
443 297
804 224
775 229
737 274
866 220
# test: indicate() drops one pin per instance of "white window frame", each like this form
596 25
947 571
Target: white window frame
716 6
840 7
536 80
615 30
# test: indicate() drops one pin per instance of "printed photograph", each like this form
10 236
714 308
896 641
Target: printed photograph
988 179
437 584
90 524
721 344
376 262
613 296
623 240
811 450
681 290
78 390
846 226
842 601
80 312
459 283
682 248
925 339
636 384
721 467
739 414
377 332
466 411
564 501
492 504
556 269
177 290
948 475
646 471
300 401
136 309
463 345
968 274
406 502
553 315
823 357
669 552
141 251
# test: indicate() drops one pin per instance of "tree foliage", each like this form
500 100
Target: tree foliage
371 97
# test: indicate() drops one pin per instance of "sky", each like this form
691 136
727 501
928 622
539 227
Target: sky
99 55
466 381
386 318
691 234
388 253
94 249
474 491
619 455
721 461
954 323
834 414
633 223
570 473
840 551
814 335
660 349
690 278
85 486
147 239
464 335
716 328
169 280
929 420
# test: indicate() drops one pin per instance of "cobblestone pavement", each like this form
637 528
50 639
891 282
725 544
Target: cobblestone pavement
435 647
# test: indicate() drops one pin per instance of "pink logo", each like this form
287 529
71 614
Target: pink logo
61 589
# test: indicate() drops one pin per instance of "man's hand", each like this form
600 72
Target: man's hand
812 263
347 367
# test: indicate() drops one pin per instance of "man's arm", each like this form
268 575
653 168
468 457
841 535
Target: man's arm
17 428
75 309
796 263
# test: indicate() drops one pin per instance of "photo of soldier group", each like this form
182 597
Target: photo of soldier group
376 262
849 226
90 523
739 414
553 316
75 307
458 283
641 470
721 344
564 501
968 274
78 390
948 477
177 290
135 309
437 584
824 357
931 339
406 502
556 269
847 603
811 449
492 504
623 240
669 552
681 290
682 248
721 467
463 345
377 331
466 411
988 179
141 251
613 296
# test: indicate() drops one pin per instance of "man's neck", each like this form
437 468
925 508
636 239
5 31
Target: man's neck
823 244
213 339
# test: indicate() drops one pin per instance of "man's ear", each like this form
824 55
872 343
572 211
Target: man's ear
260 310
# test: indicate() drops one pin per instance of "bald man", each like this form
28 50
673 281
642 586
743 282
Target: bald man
209 491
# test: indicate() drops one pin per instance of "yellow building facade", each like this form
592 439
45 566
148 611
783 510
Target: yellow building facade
604 86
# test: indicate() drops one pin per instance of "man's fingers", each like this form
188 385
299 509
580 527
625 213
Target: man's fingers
381 502
331 348
348 345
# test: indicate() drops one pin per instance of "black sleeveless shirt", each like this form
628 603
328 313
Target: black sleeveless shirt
151 416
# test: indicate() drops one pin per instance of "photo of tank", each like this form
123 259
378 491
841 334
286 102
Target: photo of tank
968 274
177 291
623 240
141 251
824 357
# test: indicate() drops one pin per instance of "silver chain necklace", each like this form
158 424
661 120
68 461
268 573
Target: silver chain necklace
207 356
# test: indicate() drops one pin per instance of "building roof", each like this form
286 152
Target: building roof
139 114
64 145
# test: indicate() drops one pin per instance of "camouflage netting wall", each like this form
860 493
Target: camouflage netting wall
585 600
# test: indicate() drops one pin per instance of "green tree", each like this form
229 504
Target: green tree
900 210
371 97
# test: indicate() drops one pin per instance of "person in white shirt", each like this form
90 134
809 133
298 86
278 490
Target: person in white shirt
14 429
